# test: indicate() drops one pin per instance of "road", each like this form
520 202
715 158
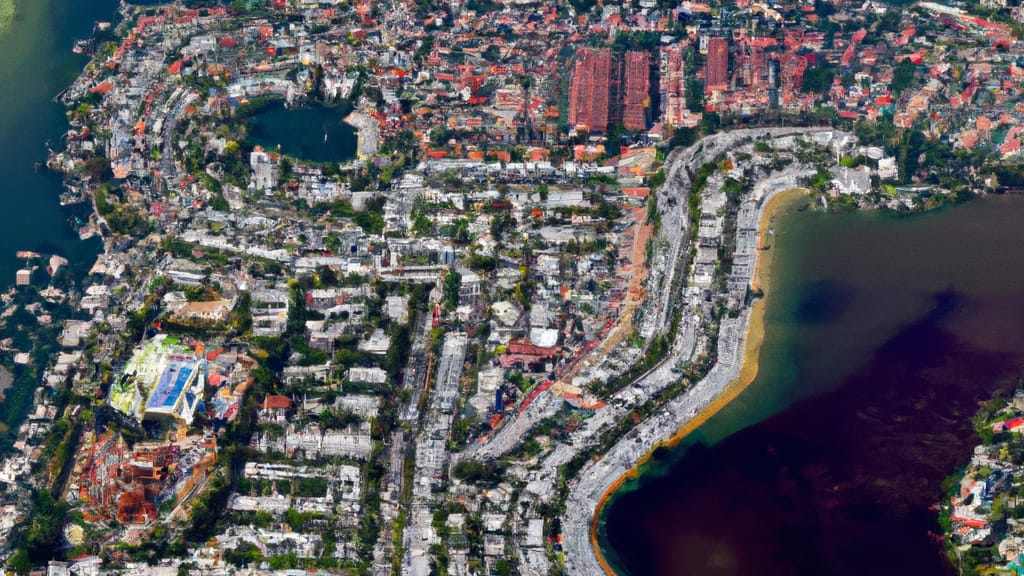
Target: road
589 487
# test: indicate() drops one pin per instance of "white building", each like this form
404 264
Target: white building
264 170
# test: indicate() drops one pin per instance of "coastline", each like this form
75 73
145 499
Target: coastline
367 136
754 330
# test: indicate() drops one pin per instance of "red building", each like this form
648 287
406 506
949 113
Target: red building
638 85
588 91
716 74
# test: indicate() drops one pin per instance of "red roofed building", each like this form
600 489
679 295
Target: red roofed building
102 88
639 192
1012 425
638 85
716 74
588 92
277 402
275 408
972 522
526 355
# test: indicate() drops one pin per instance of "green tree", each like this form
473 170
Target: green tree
285 169
294 519
694 95
902 76
818 79
43 533
452 287
262 519
19 563
421 225
245 554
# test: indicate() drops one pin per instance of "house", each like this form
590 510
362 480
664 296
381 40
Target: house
854 181
362 375
213 311
264 170
377 344
887 169
1015 424
397 308
274 408
469 287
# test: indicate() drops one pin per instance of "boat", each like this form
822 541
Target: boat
71 198
85 47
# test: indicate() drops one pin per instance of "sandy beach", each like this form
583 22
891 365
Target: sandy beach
748 370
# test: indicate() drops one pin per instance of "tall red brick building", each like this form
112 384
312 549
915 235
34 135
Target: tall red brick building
588 91
716 74
637 97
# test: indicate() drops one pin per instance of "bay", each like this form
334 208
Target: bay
883 334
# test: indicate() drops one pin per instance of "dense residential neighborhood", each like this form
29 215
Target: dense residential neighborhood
530 260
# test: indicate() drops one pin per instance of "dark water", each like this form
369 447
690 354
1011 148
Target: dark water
37 64
883 335
300 132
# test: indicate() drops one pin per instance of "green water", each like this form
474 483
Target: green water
37 63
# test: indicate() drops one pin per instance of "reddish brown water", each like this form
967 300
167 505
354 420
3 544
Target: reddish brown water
883 336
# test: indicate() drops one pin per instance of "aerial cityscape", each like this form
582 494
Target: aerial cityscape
419 287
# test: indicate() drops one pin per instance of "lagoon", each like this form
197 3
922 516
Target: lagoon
313 132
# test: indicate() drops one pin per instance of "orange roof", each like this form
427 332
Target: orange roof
102 88
277 402
763 42
640 192
538 154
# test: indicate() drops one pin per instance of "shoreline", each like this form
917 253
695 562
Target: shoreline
754 331
367 134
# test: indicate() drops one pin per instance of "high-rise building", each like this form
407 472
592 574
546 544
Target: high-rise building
716 74
588 91
637 93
